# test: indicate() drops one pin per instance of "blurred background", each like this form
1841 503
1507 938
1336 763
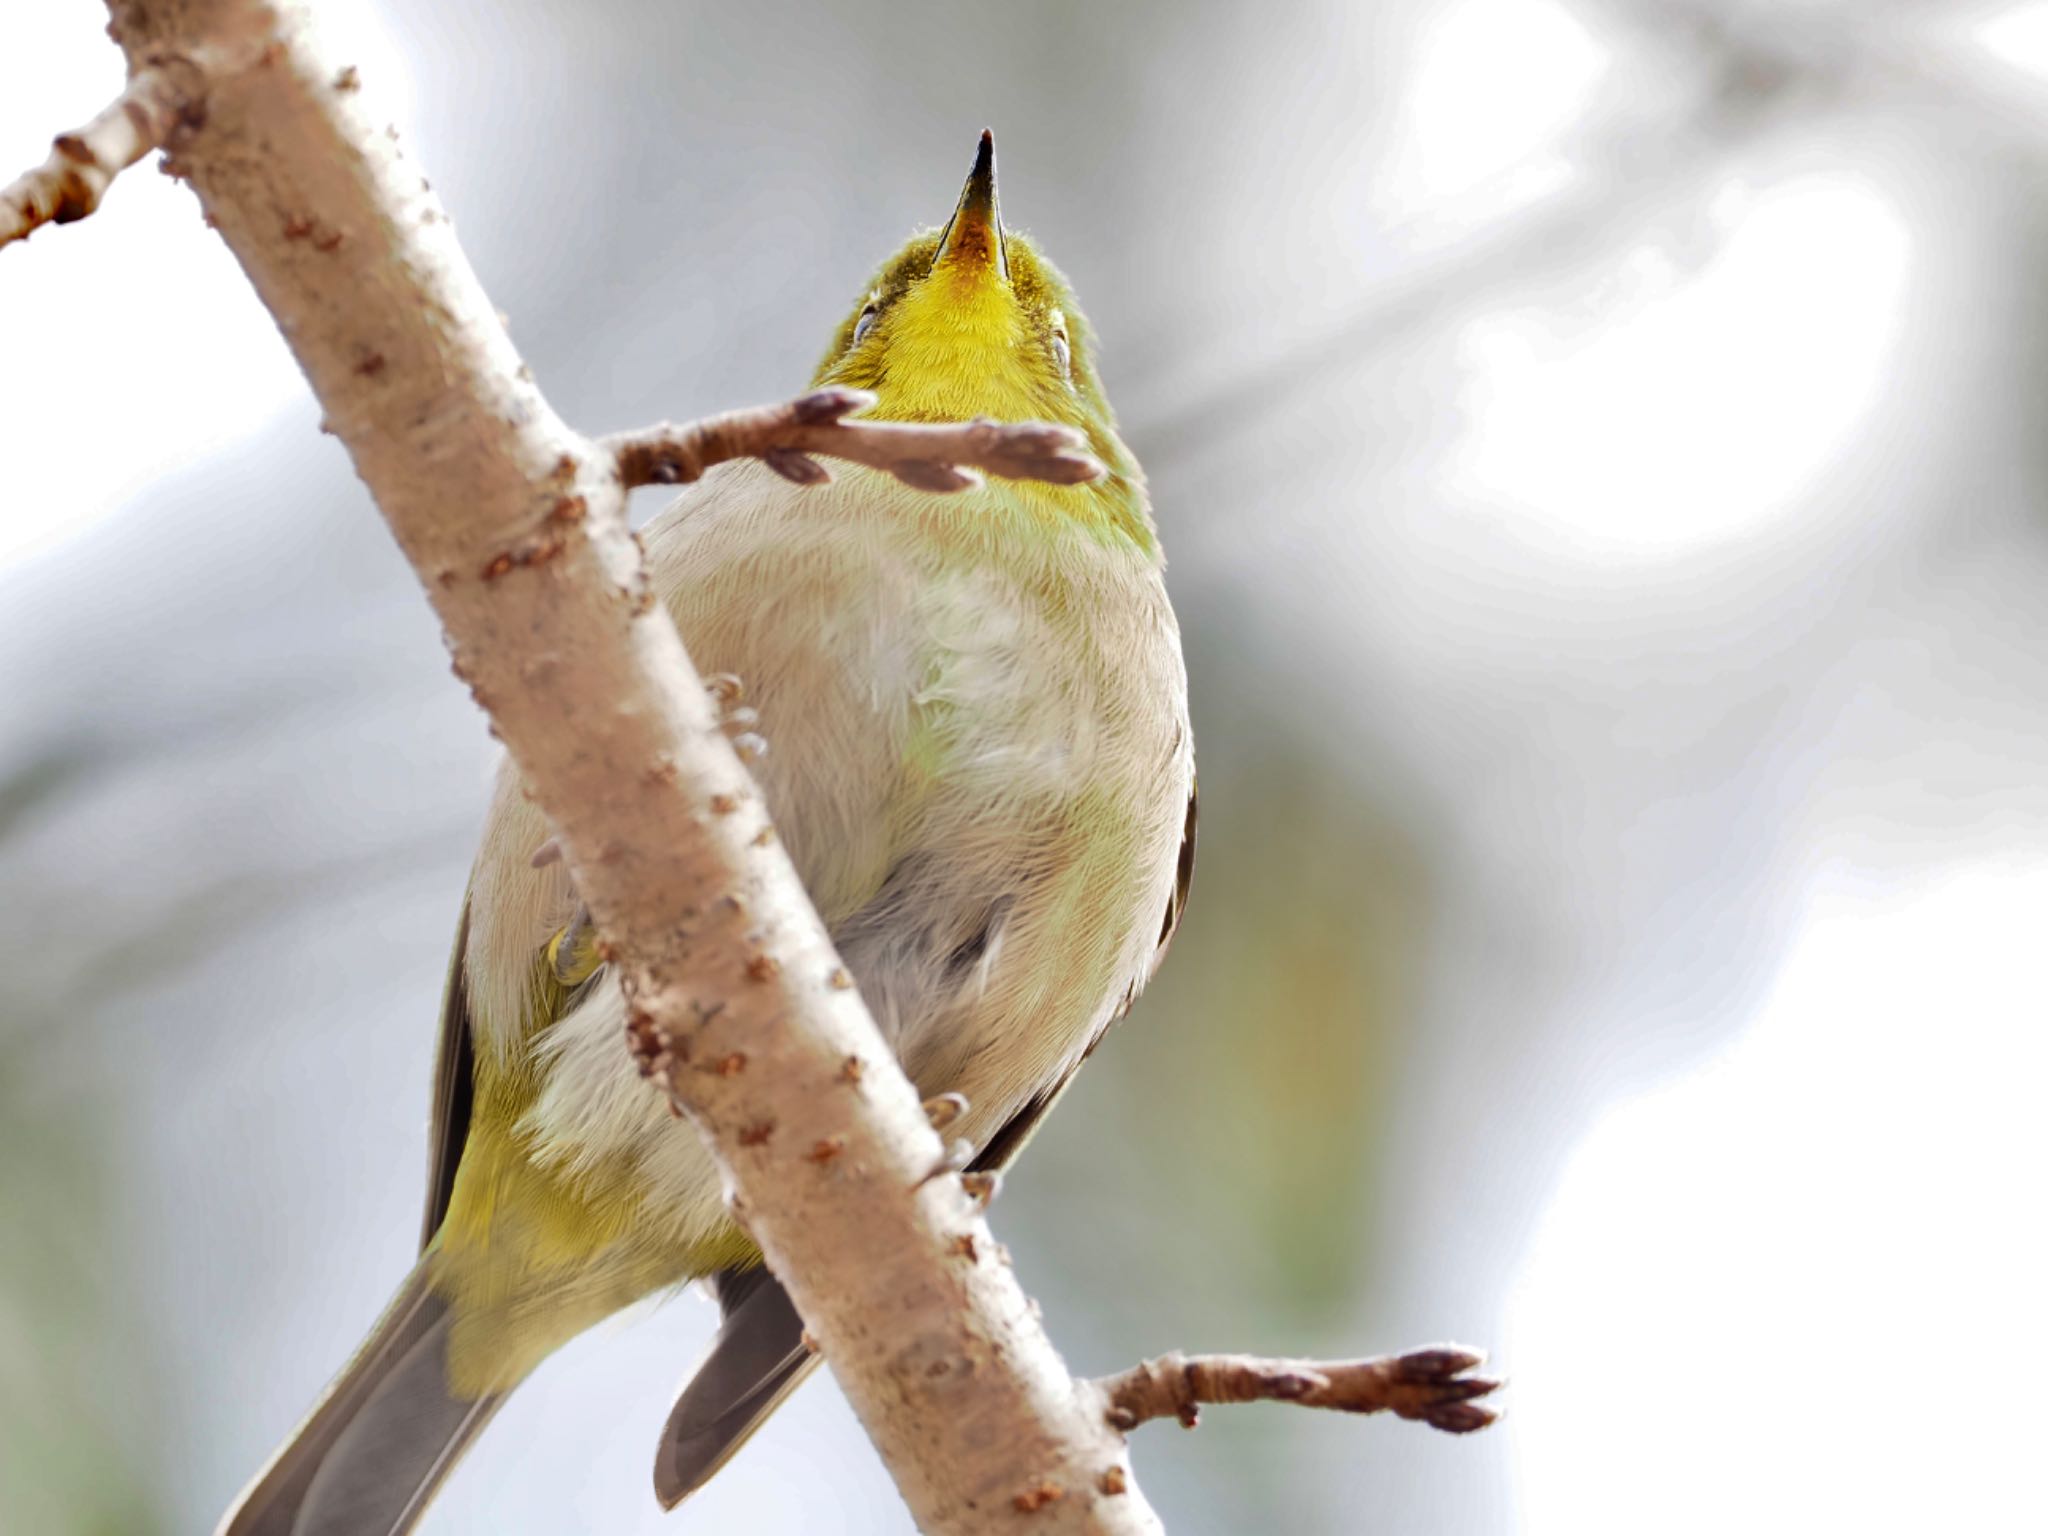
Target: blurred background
1598 446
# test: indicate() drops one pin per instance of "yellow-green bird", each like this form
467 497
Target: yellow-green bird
981 764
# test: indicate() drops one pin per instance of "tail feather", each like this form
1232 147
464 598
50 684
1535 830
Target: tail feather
757 1360
376 1447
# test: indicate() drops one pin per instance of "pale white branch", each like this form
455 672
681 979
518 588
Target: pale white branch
84 162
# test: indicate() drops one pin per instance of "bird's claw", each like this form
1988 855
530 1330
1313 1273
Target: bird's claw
958 1155
944 1109
572 953
740 722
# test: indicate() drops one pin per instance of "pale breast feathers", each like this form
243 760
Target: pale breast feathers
967 763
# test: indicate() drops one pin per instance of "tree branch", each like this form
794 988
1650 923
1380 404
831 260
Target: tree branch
84 162
517 527
930 456
1430 1385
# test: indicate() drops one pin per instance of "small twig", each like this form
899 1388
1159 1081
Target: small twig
930 456
1429 1385
84 162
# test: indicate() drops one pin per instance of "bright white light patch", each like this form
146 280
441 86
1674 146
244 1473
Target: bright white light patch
2019 36
1705 414
1495 84
132 342
1799 1290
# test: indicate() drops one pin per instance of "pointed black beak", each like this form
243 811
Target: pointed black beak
974 235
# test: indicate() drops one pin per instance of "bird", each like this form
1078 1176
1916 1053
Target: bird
979 757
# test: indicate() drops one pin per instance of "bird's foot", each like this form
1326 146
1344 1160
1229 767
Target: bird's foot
574 954
943 1110
958 1155
982 1186
740 722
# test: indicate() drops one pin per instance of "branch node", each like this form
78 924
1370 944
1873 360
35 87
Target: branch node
982 1186
797 467
824 406
1430 1386
83 162
928 475
1032 1500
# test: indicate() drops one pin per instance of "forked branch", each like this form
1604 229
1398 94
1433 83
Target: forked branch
84 162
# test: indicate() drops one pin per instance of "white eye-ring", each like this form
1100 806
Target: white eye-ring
1063 353
864 324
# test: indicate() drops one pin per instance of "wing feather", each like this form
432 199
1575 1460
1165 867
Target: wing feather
454 1085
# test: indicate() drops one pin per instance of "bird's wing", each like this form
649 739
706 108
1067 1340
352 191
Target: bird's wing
759 1356
1183 882
454 1086
1010 1137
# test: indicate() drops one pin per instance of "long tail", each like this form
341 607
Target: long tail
372 1453
757 1360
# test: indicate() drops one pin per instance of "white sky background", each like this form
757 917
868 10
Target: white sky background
1727 1288
1739 1312
2019 35
1755 1284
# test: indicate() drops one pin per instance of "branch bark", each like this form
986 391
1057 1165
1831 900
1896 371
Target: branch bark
929 456
517 527
84 162
1433 1386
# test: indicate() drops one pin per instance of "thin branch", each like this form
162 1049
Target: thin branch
84 162
930 456
1429 1385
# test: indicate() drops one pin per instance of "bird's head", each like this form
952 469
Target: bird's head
971 320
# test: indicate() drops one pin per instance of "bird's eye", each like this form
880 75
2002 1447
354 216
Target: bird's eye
1063 355
864 324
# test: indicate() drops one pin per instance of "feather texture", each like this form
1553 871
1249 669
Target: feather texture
371 1454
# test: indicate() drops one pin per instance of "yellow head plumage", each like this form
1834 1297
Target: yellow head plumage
972 320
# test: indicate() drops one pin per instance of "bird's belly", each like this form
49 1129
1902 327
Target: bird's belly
985 825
